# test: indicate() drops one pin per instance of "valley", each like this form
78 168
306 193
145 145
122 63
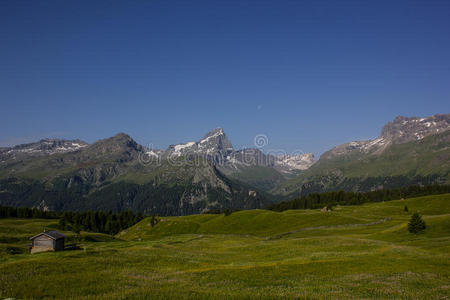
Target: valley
229 149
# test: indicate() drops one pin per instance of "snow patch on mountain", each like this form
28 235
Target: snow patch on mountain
154 153
288 163
179 149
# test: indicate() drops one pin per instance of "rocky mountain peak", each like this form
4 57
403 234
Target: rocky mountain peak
120 138
216 147
214 143
118 143
404 129
215 132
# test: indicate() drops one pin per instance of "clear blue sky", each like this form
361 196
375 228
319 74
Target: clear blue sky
308 74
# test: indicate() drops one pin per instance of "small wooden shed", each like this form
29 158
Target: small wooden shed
47 241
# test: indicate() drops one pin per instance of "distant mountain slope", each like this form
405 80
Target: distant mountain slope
408 151
41 148
115 174
401 130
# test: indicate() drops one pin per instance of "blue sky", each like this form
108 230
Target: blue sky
308 74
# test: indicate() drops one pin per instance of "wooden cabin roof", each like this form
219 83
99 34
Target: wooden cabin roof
53 234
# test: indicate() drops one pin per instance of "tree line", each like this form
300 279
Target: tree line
94 221
330 199
26 213
98 221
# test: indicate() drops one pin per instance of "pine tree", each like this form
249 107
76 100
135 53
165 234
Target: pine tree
76 229
416 224
153 220
406 208
108 228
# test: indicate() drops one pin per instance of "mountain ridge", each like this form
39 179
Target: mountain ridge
117 173
408 151
400 130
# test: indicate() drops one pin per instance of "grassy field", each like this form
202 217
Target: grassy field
354 251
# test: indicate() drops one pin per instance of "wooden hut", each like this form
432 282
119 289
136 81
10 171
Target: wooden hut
47 241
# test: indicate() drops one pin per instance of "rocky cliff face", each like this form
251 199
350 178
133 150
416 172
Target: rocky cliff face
403 129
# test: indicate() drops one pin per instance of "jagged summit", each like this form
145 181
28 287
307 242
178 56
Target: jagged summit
215 132
216 147
404 129
117 143
214 143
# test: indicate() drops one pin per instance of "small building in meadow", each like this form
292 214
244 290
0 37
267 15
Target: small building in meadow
47 241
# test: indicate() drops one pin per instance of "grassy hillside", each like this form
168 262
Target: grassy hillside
352 252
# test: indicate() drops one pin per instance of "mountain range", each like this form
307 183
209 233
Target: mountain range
199 176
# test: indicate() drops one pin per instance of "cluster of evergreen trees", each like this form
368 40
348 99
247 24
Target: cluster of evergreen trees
98 221
26 213
319 200
94 221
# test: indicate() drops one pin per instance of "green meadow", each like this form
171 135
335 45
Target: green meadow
361 251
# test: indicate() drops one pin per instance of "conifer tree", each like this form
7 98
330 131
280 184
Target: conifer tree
153 221
416 224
